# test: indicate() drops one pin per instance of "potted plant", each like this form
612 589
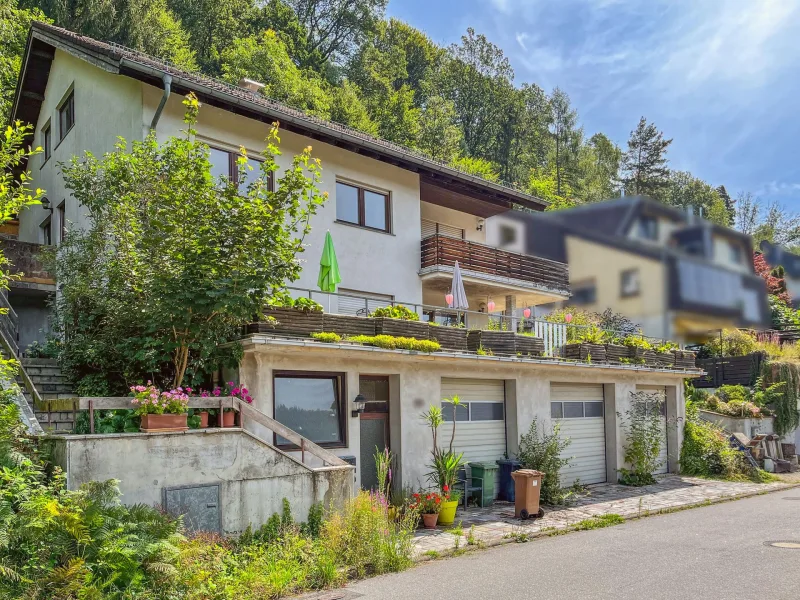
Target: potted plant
399 321
589 345
446 463
232 390
640 350
665 354
160 411
429 504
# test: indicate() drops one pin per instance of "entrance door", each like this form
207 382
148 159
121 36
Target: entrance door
374 425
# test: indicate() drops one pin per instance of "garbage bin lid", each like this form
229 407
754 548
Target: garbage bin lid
526 473
483 465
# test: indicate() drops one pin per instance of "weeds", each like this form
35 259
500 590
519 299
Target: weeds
598 522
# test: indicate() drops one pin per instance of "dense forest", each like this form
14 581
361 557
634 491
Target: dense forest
343 60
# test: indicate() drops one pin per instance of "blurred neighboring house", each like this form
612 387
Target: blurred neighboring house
674 273
777 256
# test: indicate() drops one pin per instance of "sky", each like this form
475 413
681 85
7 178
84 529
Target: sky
719 77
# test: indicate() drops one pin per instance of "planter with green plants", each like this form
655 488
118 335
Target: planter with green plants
616 351
291 317
665 354
684 359
492 342
399 321
640 351
528 345
429 505
445 463
348 324
449 337
590 346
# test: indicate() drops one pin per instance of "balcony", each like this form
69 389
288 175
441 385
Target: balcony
493 271
26 263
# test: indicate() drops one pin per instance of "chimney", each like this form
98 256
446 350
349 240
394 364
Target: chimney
249 84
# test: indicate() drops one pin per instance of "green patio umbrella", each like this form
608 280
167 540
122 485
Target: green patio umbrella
328 267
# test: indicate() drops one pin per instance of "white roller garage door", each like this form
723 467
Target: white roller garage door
580 410
481 425
663 455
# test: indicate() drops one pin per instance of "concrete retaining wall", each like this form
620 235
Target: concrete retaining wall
253 476
747 426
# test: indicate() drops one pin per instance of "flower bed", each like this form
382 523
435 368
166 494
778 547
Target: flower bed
450 338
616 353
585 351
494 342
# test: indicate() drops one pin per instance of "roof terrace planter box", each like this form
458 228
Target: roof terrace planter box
401 328
528 345
450 338
289 322
584 351
348 324
642 356
665 359
496 342
615 353
684 359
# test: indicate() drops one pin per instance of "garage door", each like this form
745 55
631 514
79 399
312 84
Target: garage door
480 424
580 411
663 455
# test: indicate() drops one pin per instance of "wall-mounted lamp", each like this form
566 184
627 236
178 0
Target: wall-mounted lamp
359 402
480 224
46 204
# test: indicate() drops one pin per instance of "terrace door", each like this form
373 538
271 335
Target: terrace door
374 425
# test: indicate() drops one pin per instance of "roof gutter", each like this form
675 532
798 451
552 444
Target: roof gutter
167 79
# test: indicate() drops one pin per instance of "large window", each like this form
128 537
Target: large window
312 405
363 207
224 164
66 116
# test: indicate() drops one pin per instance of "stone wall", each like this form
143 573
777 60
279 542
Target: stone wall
253 477
25 260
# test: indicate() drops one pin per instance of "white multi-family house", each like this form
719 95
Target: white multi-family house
399 221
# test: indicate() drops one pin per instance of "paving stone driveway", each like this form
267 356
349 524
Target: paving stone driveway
496 524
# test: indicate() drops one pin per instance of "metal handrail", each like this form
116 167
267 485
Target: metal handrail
495 320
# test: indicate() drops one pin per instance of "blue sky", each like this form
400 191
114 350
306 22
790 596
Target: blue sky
720 77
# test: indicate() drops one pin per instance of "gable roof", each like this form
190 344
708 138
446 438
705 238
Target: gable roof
44 39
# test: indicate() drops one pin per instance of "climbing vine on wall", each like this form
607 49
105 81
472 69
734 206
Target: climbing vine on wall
787 417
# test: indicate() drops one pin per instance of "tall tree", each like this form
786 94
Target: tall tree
14 25
473 78
685 190
598 169
644 164
773 222
334 28
730 203
439 136
266 59
347 108
566 138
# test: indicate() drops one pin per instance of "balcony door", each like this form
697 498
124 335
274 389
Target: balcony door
374 425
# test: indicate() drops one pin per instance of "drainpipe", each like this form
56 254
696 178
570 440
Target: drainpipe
167 88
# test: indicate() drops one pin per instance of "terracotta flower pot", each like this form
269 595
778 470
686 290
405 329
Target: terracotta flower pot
228 419
160 423
430 520
203 419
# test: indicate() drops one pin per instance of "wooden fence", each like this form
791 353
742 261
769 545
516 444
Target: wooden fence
729 370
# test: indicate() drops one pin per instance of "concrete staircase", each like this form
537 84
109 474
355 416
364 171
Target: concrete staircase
52 385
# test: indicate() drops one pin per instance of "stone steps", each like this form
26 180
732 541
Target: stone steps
52 385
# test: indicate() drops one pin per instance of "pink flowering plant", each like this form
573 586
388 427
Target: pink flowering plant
149 400
230 389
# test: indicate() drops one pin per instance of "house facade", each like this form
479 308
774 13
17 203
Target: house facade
399 222
677 275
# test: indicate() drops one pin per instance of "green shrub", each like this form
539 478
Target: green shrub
730 393
706 452
732 342
395 312
396 343
544 453
592 335
306 304
637 341
327 337
667 347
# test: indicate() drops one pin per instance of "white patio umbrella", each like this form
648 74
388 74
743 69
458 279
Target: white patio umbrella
459 295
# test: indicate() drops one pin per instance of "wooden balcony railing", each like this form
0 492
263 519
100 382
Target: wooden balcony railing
439 250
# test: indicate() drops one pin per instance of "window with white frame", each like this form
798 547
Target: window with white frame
575 410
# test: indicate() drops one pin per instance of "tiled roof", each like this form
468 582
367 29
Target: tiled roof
118 58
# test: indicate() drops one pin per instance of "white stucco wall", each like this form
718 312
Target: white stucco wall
369 261
419 379
107 106
455 218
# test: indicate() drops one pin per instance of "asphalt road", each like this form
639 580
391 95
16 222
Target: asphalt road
714 552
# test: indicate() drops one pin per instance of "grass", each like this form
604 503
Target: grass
608 520
432 554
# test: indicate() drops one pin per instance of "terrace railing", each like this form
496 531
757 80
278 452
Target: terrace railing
555 335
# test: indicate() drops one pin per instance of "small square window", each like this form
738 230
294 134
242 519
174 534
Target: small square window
593 409
312 404
362 207
584 293
573 410
556 410
462 412
66 116
735 253
648 228
629 283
